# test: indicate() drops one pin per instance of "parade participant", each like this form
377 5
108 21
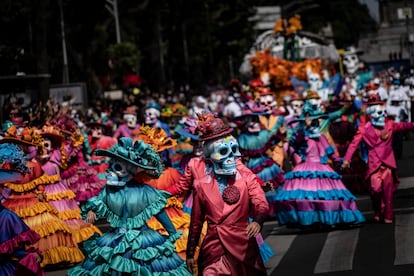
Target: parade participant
17 252
254 142
225 194
131 247
80 177
342 131
152 115
157 138
26 198
57 193
199 106
98 138
378 134
313 193
130 127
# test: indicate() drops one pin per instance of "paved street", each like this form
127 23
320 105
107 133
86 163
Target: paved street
371 249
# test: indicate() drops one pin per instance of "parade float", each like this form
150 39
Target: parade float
289 60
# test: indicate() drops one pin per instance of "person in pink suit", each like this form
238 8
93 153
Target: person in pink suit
381 173
225 194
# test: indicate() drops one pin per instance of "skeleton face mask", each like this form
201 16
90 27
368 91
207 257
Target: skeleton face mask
47 149
351 63
151 116
377 114
119 173
223 153
268 101
297 107
315 104
130 120
315 82
312 129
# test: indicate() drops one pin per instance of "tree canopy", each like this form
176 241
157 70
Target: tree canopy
167 43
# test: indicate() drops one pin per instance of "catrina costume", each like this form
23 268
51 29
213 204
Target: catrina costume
18 256
225 194
76 173
57 193
157 138
26 199
254 142
313 192
131 247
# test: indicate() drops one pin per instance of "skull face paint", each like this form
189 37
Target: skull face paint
268 101
151 116
351 63
223 154
130 120
297 107
119 173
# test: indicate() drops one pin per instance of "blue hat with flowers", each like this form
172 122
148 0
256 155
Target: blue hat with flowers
138 154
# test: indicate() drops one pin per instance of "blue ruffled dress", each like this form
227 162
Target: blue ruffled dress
131 248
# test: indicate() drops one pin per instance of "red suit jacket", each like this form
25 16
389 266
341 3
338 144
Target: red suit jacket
226 233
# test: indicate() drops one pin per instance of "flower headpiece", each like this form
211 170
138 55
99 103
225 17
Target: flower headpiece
29 136
210 127
12 158
53 133
138 154
156 137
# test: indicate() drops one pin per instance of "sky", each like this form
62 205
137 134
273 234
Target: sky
373 8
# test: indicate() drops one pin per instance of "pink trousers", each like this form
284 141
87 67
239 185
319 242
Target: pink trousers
382 190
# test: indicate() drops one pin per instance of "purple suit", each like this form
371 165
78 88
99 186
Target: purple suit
382 167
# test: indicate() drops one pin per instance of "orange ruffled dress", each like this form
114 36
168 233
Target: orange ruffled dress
63 199
57 242
173 208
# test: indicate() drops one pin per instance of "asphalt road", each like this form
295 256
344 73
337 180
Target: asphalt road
370 249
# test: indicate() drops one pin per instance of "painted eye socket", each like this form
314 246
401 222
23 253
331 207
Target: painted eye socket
224 151
46 145
234 148
118 167
315 123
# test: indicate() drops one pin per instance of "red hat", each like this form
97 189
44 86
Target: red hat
130 110
212 128
263 91
375 99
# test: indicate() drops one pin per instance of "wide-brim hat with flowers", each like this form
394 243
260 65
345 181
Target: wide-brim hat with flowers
156 137
52 133
28 136
13 163
211 128
137 153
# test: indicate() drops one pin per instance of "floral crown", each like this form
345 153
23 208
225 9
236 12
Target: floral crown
156 137
29 136
210 127
12 158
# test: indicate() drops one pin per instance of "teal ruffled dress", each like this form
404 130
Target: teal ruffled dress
131 248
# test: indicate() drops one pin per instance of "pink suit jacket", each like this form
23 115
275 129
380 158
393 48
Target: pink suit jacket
379 148
226 233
